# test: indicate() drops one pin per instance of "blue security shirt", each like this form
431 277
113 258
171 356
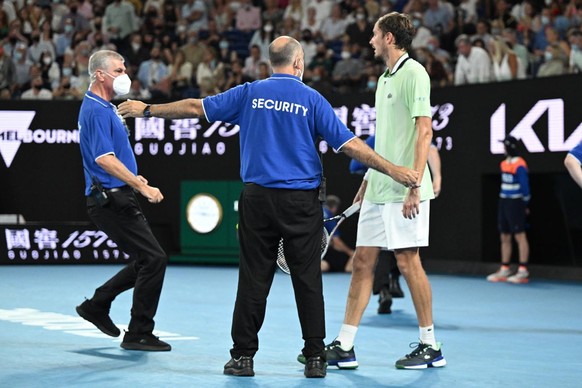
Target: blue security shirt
576 152
280 119
103 132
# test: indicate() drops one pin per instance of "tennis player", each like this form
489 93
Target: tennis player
394 217
280 121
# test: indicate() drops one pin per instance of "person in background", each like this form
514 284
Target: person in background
572 163
111 184
473 63
513 209
280 168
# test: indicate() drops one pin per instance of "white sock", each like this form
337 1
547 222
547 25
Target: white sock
427 335
346 336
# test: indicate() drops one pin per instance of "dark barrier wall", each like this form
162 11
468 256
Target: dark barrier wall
41 174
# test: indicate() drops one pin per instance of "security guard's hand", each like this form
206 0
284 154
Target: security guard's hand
405 176
153 194
131 108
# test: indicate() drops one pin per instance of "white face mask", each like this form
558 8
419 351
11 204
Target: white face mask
121 84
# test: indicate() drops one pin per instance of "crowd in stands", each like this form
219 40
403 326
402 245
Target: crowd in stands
194 48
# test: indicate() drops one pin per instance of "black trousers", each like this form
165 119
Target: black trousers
386 268
123 221
266 215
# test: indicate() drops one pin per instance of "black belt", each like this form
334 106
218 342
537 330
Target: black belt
116 189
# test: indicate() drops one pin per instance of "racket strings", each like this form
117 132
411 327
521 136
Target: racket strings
282 262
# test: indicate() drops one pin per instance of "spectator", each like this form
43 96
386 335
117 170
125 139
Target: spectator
439 76
119 22
223 15
252 62
65 91
506 64
65 39
294 10
136 53
152 71
264 71
236 75
519 49
7 71
361 30
180 74
80 24
422 34
309 46
322 9
37 47
263 37
4 24
323 57
555 62
210 75
334 27
37 92
248 17
319 80
194 51
21 69
171 15
473 63
51 73
195 13
310 22
272 13
575 59
137 92
482 32
348 71
439 18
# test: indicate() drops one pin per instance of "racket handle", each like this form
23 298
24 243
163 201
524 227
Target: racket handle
352 209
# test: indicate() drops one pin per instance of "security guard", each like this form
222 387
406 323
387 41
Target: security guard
280 121
110 180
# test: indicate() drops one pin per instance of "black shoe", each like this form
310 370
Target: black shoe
145 341
336 356
395 289
242 366
99 317
422 357
315 367
384 302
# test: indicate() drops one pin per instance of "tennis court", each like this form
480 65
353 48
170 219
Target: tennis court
494 335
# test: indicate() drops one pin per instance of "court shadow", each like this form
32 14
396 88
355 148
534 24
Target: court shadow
112 354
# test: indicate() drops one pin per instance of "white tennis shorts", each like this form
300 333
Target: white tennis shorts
384 226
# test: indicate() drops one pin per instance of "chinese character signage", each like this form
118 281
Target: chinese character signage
57 244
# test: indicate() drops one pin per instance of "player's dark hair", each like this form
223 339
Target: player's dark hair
400 26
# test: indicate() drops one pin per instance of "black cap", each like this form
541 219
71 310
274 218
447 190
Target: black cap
510 142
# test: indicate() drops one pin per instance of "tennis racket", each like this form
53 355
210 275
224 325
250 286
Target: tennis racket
325 236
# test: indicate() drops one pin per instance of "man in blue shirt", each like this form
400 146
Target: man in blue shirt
110 181
280 121
573 163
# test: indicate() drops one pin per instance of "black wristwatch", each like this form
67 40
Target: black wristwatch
147 112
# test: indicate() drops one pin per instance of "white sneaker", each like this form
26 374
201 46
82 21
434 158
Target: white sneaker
500 276
520 277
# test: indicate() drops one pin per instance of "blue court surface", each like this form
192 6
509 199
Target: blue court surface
494 335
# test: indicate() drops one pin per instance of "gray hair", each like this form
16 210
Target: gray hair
100 60
282 55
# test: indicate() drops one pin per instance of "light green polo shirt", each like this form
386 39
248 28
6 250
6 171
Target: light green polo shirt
401 95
